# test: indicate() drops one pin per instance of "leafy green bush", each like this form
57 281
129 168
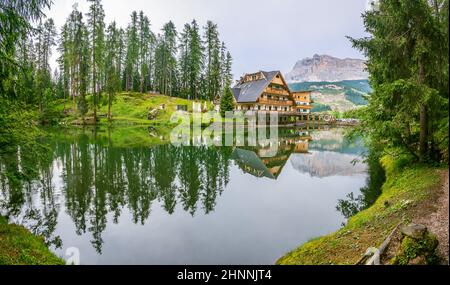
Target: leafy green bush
411 249
17 124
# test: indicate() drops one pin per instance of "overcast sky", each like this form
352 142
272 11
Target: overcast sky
261 34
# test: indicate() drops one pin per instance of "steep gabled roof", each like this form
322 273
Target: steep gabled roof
250 163
236 92
249 92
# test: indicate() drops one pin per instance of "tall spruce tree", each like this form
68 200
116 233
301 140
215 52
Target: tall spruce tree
184 60
44 43
166 61
146 46
83 69
25 87
72 46
64 61
112 64
196 61
96 25
212 53
226 62
121 54
132 55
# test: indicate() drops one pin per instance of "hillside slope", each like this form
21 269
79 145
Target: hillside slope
132 109
336 96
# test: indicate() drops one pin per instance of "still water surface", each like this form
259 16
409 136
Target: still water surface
142 204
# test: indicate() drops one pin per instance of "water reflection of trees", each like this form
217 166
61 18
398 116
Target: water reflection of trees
27 192
98 182
369 194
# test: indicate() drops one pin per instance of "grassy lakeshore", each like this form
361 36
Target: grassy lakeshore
409 192
20 247
131 109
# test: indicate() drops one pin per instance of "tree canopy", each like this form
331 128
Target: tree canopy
407 53
97 59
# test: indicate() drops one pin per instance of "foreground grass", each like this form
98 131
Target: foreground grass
407 191
19 247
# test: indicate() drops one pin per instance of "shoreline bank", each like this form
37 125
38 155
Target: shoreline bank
18 246
408 195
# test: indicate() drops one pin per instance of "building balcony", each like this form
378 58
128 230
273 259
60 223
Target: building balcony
267 108
277 91
272 102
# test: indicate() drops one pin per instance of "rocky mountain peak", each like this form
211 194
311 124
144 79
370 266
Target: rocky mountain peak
327 68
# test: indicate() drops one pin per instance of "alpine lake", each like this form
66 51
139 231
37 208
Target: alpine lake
129 196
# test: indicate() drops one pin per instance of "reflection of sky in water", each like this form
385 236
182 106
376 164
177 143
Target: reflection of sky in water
253 221
327 163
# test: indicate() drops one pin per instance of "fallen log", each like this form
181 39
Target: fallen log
373 254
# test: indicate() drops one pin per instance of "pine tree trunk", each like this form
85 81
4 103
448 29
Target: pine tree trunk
40 105
65 100
94 71
423 138
94 93
73 95
109 106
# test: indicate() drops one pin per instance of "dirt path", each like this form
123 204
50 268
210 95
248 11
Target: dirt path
437 222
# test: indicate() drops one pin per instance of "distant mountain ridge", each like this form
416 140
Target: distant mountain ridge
327 68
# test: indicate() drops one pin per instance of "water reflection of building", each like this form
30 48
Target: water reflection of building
250 163
264 162
328 157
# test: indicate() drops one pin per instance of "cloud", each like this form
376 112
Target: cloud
261 34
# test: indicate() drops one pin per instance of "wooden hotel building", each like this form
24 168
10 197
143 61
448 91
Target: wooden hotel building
268 91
